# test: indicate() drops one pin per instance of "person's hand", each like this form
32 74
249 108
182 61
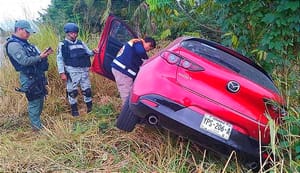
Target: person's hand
96 50
63 76
134 40
46 52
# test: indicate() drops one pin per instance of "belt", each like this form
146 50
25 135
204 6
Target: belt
118 63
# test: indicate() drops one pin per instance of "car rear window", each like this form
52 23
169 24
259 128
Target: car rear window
120 32
229 61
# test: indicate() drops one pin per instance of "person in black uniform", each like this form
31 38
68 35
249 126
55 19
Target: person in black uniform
31 65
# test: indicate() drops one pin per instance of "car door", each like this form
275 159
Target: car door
114 35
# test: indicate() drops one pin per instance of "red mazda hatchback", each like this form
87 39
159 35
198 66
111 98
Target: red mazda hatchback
198 89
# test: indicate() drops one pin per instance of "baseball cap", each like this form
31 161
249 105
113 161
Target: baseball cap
25 25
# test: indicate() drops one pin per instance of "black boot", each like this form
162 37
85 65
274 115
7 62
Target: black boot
74 110
89 106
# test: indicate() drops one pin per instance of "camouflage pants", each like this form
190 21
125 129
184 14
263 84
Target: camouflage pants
78 79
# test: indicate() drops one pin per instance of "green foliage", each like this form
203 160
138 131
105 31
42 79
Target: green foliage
186 16
289 131
270 26
165 34
297 148
142 21
80 127
105 110
79 11
105 113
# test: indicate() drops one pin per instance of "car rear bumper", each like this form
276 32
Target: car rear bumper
186 122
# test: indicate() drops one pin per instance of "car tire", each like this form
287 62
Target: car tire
127 119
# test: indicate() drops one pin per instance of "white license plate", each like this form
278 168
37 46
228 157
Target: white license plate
216 126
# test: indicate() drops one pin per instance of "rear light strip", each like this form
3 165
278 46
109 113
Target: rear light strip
172 58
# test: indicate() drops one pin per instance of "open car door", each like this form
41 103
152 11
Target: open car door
114 35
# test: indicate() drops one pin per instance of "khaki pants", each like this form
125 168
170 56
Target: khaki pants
124 84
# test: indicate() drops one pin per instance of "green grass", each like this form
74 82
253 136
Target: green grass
92 143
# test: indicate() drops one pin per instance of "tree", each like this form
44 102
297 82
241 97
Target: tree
87 13
186 17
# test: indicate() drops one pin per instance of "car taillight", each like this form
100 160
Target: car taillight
180 61
172 59
134 98
190 66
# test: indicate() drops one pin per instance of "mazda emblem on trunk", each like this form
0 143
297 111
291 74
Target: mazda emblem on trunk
233 86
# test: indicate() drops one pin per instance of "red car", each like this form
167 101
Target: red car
198 89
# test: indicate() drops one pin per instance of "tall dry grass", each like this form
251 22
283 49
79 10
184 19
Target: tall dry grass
91 142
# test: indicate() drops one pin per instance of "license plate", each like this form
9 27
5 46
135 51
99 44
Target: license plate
216 126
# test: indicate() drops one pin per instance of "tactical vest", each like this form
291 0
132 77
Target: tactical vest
35 86
75 54
30 50
129 59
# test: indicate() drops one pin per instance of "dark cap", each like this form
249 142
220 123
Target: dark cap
24 25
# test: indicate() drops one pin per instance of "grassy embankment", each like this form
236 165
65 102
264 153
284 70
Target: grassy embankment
92 142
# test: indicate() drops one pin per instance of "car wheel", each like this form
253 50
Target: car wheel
127 119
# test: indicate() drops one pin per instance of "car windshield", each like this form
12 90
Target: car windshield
229 61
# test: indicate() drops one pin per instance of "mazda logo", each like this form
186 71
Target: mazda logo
233 86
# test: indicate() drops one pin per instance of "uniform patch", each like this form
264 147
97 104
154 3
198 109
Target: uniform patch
18 55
